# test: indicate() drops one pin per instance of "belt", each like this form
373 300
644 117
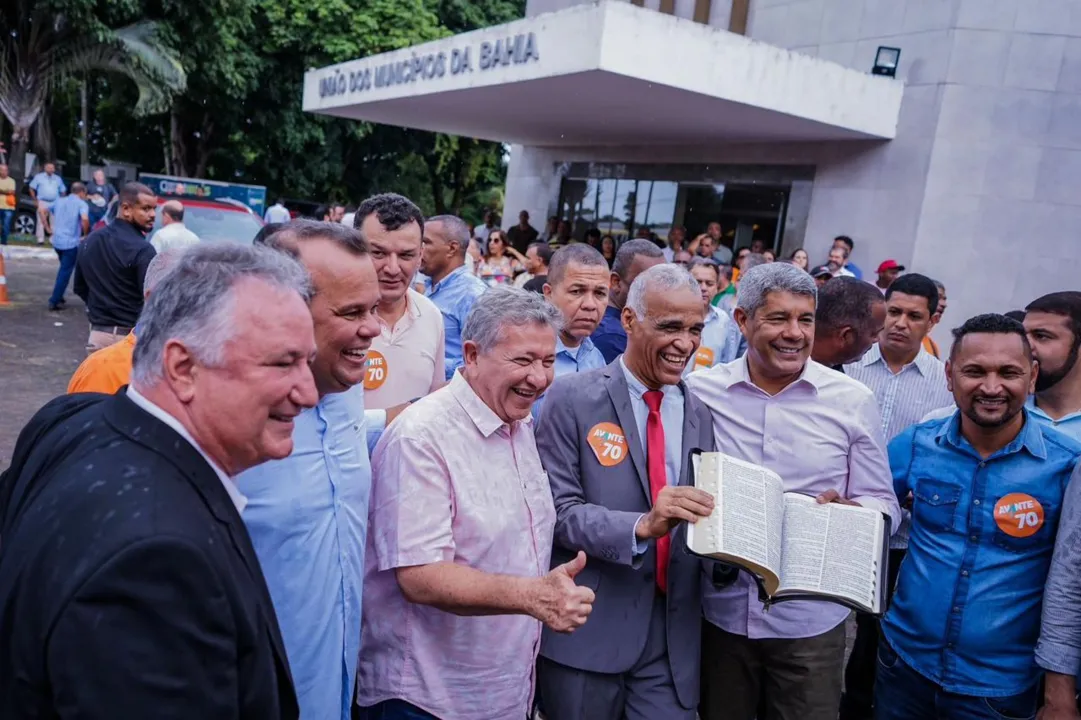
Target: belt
111 329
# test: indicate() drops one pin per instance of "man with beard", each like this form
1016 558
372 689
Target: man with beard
577 285
307 513
111 266
988 485
1053 324
821 432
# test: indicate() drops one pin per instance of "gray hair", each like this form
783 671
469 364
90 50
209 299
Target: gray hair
455 229
665 278
503 306
195 302
159 267
628 251
575 253
758 282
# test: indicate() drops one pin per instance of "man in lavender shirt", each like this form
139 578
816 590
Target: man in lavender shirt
457 582
821 432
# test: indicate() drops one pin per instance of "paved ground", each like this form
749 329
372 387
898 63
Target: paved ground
39 350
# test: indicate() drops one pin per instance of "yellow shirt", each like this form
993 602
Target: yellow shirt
7 193
106 370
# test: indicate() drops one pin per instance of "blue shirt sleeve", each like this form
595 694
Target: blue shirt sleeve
901 450
36 182
61 188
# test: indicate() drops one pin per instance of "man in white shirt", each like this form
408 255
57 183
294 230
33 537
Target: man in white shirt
277 213
173 234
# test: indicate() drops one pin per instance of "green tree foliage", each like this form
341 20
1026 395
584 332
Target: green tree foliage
240 118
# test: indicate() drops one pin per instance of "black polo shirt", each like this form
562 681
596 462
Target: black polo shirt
109 272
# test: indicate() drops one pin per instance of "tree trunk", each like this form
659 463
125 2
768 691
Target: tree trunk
84 122
20 144
459 177
178 148
437 185
203 148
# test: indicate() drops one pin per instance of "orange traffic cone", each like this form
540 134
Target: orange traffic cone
3 282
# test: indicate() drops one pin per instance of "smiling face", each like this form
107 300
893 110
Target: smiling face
396 255
581 295
779 335
511 375
908 320
660 344
343 310
837 258
990 377
242 409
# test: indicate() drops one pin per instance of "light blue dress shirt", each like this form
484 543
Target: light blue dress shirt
1068 424
454 295
721 336
68 214
671 421
48 187
307 516
573 360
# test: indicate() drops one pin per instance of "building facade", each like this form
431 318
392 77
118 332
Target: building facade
763 115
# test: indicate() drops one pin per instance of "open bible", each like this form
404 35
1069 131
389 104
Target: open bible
792 546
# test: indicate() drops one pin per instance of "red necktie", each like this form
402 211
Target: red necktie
657 474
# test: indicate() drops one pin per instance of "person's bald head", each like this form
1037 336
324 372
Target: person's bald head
172 211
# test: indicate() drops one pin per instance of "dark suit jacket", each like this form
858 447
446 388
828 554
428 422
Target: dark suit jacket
128 585
596 510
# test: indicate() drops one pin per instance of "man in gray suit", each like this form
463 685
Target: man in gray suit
615 443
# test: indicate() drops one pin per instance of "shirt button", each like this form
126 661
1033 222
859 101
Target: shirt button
956 609
964 573
975 502
973 538
983 464
934 497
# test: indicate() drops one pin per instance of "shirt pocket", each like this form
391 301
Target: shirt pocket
936 504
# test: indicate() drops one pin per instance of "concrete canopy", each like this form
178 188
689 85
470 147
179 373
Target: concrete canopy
609 73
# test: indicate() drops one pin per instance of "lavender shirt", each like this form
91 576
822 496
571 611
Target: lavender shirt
822 432
453 483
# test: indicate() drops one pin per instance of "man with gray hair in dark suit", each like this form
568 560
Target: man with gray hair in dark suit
614 442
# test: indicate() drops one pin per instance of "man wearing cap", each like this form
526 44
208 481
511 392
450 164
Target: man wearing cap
822 274
887 273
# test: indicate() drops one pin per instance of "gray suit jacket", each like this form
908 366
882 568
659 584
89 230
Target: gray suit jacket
596 510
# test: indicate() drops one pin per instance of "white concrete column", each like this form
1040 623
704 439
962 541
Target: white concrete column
532 185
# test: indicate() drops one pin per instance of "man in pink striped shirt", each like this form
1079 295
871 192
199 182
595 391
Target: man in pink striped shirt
457 581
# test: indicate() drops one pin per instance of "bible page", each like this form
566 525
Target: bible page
747 519
832 549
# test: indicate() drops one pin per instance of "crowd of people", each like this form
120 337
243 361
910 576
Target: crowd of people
340 473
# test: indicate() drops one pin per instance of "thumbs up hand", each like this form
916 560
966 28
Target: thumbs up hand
558 602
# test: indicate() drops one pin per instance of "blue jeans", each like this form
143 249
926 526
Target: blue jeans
901 693
6 216
394 710
63 275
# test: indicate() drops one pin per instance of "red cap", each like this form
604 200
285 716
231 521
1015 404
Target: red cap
890 265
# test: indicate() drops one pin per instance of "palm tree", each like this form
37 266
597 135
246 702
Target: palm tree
43 42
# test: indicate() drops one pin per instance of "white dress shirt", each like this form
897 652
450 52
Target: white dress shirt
173 235
230 487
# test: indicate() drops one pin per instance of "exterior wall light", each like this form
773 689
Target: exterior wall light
886 61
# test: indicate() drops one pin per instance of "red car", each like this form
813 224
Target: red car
211 220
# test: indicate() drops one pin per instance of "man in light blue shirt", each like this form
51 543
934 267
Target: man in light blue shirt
721 338
71 222
447 282
577 284
1053 325
307 514
46 188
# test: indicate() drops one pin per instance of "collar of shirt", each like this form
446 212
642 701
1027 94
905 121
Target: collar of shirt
810 377
136 397
1067 419
924 361
586 346
412 312
1030 438
637 388
432 288
483 417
